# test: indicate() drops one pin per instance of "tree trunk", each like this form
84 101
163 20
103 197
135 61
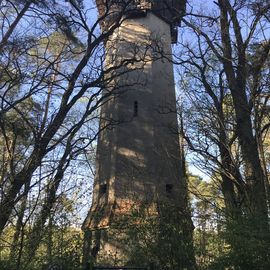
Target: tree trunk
6 36
18 238
256 206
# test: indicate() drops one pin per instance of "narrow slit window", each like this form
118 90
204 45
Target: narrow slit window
135 109
169 188
103 189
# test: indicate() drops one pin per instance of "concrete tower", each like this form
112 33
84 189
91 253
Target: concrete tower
138 159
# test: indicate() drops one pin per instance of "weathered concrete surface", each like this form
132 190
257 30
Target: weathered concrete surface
138 159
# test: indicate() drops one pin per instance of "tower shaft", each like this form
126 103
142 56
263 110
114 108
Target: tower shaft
138 156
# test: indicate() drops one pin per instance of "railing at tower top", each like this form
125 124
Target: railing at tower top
119 268
171 10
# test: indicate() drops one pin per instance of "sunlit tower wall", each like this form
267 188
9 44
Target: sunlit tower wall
138 162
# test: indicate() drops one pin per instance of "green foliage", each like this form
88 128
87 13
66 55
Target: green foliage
66 249
207 212
249 246
163 241
225 243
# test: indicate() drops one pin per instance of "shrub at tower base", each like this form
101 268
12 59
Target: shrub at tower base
162 241
248 246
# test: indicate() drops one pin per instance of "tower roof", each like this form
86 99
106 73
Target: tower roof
169 10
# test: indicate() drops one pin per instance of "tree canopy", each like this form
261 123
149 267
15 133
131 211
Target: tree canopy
53 81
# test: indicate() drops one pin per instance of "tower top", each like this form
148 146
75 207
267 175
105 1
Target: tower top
170 11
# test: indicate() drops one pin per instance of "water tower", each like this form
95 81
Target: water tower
138 157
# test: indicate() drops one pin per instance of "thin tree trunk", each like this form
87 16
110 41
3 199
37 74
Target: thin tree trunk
35 235
187 224
18 238
6 36
50 240
264 167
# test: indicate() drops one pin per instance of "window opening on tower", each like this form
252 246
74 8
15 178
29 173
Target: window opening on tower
103 189
169 188
135 112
